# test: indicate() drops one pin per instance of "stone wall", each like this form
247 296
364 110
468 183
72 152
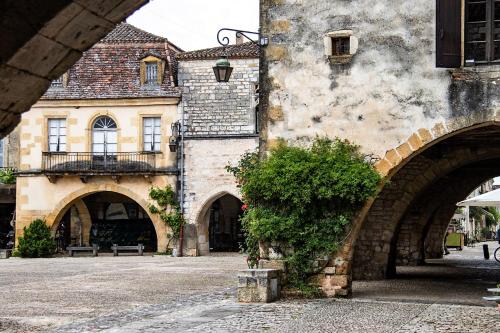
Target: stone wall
213 108
11 149
206 180
390 88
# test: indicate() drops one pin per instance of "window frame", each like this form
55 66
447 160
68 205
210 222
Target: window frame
490 33
151 81
58 135
152 140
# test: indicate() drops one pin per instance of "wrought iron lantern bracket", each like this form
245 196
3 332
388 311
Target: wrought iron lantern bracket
224 41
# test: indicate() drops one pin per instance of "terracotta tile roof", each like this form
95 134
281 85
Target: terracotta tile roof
245 50
111 68
127 33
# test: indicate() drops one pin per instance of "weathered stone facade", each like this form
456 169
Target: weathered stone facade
220 123
434 131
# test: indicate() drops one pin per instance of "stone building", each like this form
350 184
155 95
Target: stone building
97 141
415 84
220 126
9 161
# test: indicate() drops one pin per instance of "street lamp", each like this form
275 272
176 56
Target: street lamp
222 68
172 141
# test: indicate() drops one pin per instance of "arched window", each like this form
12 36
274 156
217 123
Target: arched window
104 137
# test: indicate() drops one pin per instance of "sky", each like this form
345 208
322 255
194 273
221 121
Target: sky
193 24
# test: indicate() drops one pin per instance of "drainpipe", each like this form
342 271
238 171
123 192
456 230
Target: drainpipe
181 144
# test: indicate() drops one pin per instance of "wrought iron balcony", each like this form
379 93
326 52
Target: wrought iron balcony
85 163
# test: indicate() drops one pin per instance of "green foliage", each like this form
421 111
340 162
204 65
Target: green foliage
36 241
7 177
168 208
304 199
491 215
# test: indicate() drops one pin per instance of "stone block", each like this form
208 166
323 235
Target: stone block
329 271
259 285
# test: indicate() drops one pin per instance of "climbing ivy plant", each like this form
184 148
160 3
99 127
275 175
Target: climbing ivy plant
168 209
303 199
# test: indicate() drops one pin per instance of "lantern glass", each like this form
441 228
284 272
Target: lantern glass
222 70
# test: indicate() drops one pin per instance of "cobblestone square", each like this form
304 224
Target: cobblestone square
165 294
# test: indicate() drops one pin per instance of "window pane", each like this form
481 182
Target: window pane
497 51
151 73
148 121
111 148
476 32
157 147
52 147
52 139
98 148
111 137
98 137
62 139
148 130
477 11
496 31
157 138
475 51
157 130
62 147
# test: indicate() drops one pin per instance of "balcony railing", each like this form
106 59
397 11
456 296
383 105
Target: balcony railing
99 163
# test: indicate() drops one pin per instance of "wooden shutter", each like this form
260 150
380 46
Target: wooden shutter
448 33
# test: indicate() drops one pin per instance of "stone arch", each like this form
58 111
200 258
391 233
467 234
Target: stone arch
409 180
47 39
58 212
201 218
411 172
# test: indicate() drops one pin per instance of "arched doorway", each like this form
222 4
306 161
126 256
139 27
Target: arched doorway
224 226
106 218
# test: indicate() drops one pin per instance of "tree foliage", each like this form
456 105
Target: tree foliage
36 242
168 209
304 198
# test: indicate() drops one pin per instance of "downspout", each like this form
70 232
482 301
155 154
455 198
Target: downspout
181 146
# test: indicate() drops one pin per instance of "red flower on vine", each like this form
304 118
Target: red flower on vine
244 207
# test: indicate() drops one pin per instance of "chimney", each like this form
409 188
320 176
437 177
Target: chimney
239 39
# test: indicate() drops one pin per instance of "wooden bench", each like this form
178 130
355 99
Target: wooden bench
5 253
139 248
94 249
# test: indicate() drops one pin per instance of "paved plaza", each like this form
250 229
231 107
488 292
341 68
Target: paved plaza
164 294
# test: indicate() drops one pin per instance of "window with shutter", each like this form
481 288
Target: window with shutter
448 33
57 135
152 134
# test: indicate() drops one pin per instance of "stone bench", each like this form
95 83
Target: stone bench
94 249
495 299
139 248
5 253
259 285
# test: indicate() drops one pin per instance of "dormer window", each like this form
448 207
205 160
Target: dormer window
60 82
57 83
152 71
